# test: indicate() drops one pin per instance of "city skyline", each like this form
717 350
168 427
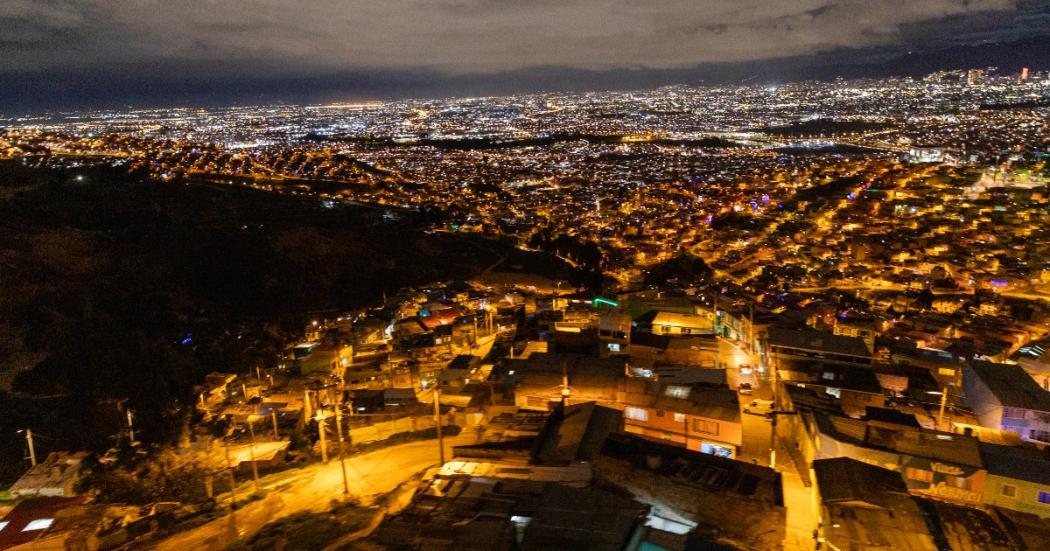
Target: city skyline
522 275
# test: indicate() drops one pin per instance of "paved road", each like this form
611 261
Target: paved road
313 489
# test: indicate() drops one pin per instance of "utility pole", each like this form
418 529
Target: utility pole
320 434
131 428
273 416
307 406
251 454
944 401
32 450
437 423
339 429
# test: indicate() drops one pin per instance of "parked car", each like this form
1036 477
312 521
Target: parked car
744 388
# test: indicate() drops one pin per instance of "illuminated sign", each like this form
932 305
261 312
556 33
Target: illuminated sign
946 469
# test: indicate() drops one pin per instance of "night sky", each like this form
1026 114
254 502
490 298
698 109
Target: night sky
68 53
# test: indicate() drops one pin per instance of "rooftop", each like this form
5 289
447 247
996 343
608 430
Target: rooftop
1011 385
818 341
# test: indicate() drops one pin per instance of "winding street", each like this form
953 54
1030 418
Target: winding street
313 489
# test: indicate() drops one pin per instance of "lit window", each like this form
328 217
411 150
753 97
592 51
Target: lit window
1044 497
677 391
679 418
1009 490
38 524
920 475
638 414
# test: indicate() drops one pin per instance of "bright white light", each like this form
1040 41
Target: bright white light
38 524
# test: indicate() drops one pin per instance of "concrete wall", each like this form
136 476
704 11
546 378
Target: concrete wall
1025 498
386 429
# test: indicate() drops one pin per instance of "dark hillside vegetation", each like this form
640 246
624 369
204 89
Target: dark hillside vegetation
114 288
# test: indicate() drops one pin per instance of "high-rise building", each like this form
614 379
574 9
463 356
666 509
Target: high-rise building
1024 74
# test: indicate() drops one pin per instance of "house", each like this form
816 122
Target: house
689 489
863 506
1018 478
614 333
327 359
675 323
942 365
51 523
478 513
698 417
867 507
790 347
856 388
864 328
55 476
932 463
541 377
1005 397
650 350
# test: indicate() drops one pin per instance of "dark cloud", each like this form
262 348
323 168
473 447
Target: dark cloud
459 36
184 40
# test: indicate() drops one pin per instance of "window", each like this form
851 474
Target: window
677 391
716 450
638 414
1044 497
38 524
1009 490
1041 435
1013 413
679 418
946 372
705 426
919 475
